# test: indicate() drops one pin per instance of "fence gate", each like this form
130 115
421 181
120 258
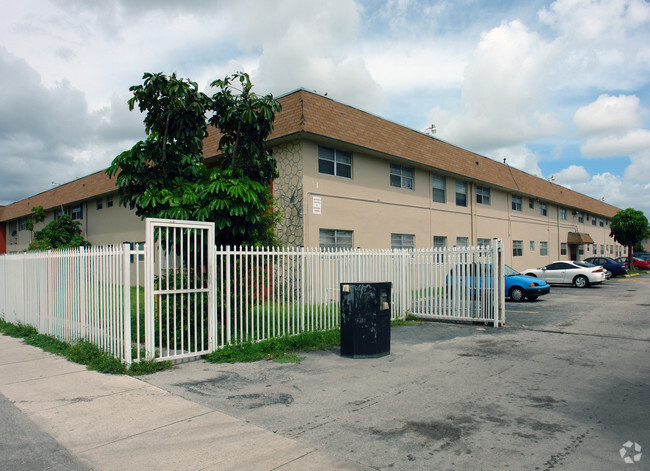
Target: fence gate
180 289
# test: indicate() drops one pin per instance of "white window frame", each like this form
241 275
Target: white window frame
402 241
440 180
483 195
402 177
340 239
340 160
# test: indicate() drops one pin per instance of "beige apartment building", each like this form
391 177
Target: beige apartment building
350 179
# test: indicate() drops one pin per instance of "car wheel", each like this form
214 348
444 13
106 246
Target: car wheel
533 298
517 294
580 281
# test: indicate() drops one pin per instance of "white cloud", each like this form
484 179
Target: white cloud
617 145
617 191
571 175
504 91
520 157
608 115
602 42
639 170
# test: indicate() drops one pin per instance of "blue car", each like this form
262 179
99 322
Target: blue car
517 286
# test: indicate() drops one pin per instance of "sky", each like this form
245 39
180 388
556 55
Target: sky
560 89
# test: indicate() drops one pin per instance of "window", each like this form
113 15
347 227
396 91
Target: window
532 245
595 249
461 193
12 232
484 242
402 241
602 223
109 201
563 214
401 177
611 248
581 249
602 249
581 217
516 203
22 224
563 248
482 195
99 203
531 203
334 162
517 248
462 242
593 221
335 239
76 212
439 189
439 242
542 209
543 248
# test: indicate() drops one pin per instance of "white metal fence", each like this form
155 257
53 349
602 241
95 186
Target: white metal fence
71 294
193 307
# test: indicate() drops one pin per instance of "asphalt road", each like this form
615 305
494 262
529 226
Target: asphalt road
24 446
563 386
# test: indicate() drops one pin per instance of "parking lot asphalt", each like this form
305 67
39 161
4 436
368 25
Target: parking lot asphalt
565 385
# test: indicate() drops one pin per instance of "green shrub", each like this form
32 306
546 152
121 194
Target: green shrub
276 348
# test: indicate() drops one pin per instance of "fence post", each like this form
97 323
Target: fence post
126 298
228 326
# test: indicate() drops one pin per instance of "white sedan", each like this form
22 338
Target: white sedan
580 274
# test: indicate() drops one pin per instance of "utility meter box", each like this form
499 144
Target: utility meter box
365 319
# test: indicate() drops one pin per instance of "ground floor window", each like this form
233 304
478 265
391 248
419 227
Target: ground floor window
484 242
335 239
439 242
402 241
563 248
517 248
532 245
543 248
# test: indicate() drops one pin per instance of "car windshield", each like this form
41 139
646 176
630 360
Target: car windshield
510 271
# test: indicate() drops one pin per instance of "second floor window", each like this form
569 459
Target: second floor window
401 177
439 186
334 162
516 203
542 209
482 195
563 214
461 193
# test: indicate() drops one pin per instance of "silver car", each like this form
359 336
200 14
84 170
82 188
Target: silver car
579 274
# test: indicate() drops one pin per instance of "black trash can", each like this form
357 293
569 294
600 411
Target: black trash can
365 319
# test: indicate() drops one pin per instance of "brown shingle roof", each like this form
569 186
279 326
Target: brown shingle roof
309 113
306 112
83 188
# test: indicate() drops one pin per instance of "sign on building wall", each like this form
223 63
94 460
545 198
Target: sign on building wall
316 204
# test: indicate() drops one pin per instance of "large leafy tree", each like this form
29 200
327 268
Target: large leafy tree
62 233
629 227
164 176
245 121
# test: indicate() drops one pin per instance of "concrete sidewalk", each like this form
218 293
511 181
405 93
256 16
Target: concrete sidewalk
119 422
